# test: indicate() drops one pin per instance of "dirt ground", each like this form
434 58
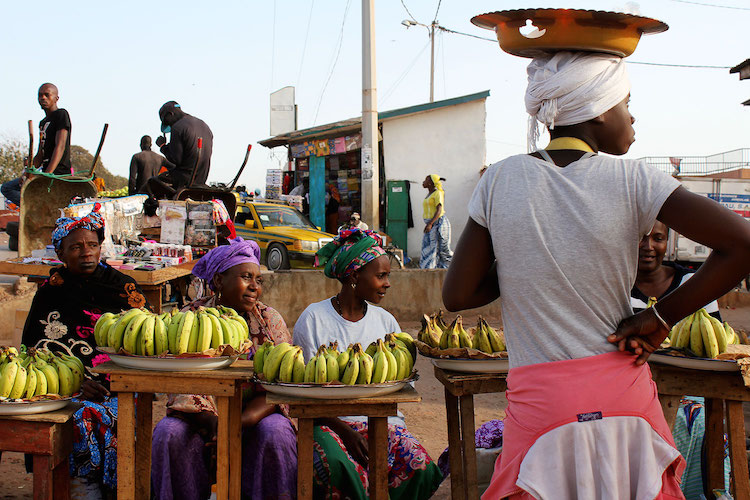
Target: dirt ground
425 420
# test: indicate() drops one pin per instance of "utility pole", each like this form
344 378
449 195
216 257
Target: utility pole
432 62
369 156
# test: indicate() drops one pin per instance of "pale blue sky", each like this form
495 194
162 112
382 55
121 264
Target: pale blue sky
117 62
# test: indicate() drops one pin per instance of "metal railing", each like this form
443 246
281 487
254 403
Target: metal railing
702 165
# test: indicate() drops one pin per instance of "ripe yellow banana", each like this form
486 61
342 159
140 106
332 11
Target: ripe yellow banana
380 364
194 334
31 376
402 363
53 379
710 343
343 359
696 337
372 349
298 371
332 367
321 369
130 339
102 326
286 370
146 336
67 382
682 338
365 367
182 341
721 335
392 363
19 384
260 355
161 343
408 342
272 363
75 371
117 331
310 371
351 373
206 328
8 377
217 331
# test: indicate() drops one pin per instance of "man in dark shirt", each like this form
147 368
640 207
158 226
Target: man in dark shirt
145 165
53 155
182 149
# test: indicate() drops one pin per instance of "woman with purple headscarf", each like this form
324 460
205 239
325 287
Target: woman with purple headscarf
180 466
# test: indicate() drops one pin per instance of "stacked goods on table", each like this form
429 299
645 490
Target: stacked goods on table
436 339
117 193
208 331
388 360
701 335
38 375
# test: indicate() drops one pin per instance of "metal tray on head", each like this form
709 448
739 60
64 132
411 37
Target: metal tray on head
171 364
30 407
706 364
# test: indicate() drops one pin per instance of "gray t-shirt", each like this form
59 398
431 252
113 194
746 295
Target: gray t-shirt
566 244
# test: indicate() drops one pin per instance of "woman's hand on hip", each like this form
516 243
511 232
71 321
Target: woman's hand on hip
92 390
640 334
356 445
428 227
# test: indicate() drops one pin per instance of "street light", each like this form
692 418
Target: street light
431 28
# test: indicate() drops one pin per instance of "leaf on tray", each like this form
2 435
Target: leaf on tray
457 353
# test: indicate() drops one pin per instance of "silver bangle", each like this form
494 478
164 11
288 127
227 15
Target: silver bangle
658 316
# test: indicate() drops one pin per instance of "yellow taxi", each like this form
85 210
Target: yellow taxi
287 238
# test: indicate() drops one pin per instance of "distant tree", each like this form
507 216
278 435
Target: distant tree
12 153
82 160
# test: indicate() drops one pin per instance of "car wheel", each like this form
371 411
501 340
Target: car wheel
12 228
277 257
13 244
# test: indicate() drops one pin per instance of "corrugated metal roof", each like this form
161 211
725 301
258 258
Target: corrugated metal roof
352 124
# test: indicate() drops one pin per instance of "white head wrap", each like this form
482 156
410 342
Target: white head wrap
567 88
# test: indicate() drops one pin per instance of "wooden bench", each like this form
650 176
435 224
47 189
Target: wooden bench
724 393
459 408
49 438
377 410
134 421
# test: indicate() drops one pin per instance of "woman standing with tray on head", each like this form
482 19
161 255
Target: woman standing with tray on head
62 318
179 467
555 233
356 258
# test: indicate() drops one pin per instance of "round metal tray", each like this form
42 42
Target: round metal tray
30 407
472 365
706 364
171 364
312 391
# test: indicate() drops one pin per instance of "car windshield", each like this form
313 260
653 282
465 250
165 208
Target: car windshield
282 216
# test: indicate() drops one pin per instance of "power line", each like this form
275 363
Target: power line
712 5
437 10
467 34
335 60
398 81
407 11
678 65
304 47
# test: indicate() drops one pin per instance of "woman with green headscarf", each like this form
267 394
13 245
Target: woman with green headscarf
357 260
436 242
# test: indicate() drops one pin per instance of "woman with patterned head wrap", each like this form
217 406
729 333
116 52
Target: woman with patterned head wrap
357 260
62 318
179 468
436 242
556 232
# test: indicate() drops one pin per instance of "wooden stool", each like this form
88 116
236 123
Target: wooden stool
134 456
459 409
724 393
377 410
49 437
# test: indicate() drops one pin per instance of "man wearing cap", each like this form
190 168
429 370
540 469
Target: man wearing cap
145 165
354 222
182 149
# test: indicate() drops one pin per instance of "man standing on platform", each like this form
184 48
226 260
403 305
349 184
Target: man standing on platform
145 165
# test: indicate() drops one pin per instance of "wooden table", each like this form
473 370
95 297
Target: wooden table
151 282
377 410
134 420
459 408
724 393
49 437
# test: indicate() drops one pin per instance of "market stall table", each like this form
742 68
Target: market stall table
151 282
724 393
459 408
49 438
376 409
134 420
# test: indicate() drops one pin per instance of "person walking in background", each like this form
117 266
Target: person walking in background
53 155
145 165
436 242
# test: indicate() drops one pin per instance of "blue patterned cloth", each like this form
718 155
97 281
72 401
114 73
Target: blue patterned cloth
436 245
95 442
65 225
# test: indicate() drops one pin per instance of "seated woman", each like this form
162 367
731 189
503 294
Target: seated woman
62 318
656 279
358 261
180 467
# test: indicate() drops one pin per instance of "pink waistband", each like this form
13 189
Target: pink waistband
544 396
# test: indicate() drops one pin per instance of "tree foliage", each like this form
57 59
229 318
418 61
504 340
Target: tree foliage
13 151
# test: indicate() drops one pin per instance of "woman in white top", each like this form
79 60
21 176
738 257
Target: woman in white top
356 258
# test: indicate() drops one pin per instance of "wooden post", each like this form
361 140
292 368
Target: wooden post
235 443
305 458
143 429
126 480
222 449
714 444
669 406
469 451
455 451
377 444
737 453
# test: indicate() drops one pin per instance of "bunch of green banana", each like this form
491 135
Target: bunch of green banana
455 336
486 338
703 334
39 372
141 332
430 333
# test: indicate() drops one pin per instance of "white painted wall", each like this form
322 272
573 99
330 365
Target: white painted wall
449 142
